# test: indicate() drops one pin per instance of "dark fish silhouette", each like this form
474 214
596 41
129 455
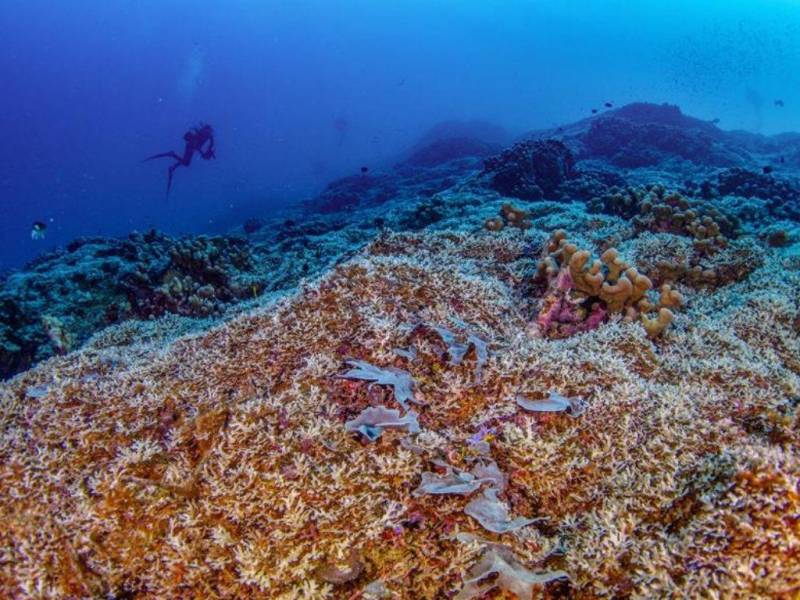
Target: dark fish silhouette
608 105
766 170
779 103
364 170
594 111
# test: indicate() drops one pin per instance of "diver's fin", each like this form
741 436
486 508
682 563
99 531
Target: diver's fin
170 154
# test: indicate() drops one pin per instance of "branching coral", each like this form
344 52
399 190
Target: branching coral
219 465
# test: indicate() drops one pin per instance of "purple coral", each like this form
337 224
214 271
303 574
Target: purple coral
563 315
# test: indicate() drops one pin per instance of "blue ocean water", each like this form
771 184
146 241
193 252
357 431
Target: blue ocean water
305 91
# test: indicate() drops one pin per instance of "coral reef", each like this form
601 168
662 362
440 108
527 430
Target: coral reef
530 170
393 402
448 191
63 298
222 465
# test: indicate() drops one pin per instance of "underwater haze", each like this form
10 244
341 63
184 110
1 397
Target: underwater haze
302 92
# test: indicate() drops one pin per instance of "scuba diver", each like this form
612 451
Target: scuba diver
195 139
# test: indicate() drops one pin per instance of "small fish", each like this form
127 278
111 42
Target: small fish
608 105
766 170
715 121
38 230
779 103
364 170
594 111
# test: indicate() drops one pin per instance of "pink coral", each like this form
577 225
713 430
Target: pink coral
562 315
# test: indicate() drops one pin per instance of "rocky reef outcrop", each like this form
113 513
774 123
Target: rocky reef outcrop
530 170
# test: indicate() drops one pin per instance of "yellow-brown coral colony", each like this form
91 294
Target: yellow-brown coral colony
608 285
221 466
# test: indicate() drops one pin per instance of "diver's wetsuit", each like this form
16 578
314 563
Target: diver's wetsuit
195 139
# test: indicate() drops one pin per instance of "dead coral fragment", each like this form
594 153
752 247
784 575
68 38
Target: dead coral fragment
373 420
512 576
491 474
574 407
456 481
457 350
493 514
453 482
400 380
409 353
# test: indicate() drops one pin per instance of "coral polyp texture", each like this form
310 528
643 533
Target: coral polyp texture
580 383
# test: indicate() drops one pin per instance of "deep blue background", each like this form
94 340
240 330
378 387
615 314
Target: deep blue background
90 87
